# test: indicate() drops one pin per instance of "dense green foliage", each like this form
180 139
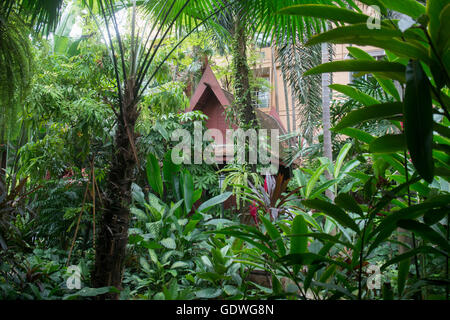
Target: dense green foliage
385 234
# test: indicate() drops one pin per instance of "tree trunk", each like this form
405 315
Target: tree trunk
3 156
327 145
286 98
241 72
113 234
294 111
275 78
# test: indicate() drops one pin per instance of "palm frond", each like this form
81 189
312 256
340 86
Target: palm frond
43 15
16 60
262 18
295 60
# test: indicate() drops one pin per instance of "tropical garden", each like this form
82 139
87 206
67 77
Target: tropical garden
92 205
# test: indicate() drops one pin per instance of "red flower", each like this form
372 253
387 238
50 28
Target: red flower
254 212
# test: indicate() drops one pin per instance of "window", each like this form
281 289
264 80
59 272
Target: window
262 99
261 96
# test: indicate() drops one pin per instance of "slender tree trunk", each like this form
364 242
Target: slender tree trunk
286 98
294 111
327 145
242 90
3 156
113 234
275 78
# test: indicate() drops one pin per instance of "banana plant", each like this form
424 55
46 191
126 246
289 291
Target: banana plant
63 42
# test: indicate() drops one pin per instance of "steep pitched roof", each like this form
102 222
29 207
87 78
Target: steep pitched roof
210 85
207 85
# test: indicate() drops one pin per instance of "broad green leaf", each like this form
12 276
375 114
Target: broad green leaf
141 215
443 39
333 211
425 232
179 264
357 134
210 293
389 223
90 292
274 235
327 273
387 84
442 130
205 206
389 143
190 226
340 159
169 243
154 174
327 12
312 181
360 54
374 112
418 124
188 190
230 290
347 167
219 222
277 288
321 188
150 245
355 94
434 9
347 202
412 8
395 160
335 288
358 65
309 219
298 244
434 216
420 187
410 50
356 30
170 170
249 237
174 208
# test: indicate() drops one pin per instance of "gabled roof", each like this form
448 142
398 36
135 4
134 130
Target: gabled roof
210 85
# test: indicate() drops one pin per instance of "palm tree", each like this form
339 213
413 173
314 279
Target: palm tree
134 73
133 78
284 30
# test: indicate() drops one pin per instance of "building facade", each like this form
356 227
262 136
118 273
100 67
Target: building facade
280 98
